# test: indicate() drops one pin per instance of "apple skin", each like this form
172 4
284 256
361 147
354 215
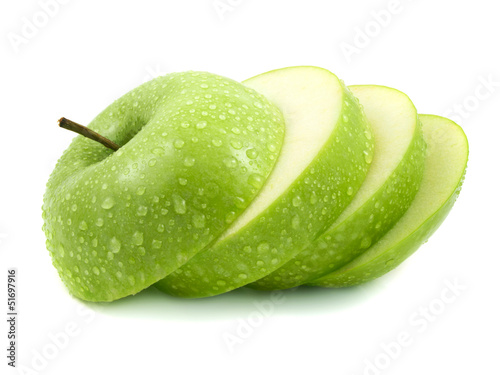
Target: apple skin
441 185
351 235
307 207
192 145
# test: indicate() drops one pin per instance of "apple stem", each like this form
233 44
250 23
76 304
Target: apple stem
88 133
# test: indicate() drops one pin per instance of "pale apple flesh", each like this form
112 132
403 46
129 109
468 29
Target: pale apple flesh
445 165
388 190
320 168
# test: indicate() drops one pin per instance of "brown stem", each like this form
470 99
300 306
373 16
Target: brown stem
86 132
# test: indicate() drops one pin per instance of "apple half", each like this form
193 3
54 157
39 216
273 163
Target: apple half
195 151
445 165
388 190
324 159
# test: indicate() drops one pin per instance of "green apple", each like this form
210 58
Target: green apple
388 190
446 161
195 151
324 159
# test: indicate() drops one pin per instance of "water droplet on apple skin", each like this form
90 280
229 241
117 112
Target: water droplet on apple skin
179 204
108 203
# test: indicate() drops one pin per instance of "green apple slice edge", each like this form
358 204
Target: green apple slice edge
446 162
388 190
321 166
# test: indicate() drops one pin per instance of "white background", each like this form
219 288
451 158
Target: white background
87 53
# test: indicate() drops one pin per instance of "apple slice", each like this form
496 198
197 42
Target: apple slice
387 192
323 161
445 165
194 148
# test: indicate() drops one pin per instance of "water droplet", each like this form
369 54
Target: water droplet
74 207
183 181
179 204
231 162
189 161
368 157
230 217
156 244
236 130
204 86
115 245
368 134
131 279
237 145
152 162
222 117
296 222
263 247
142 211
138 238
99 222
314 198
256 180
185 125
158 151
365 243
83 225
108 203
221 282
161 228
257 104
239 202
350 190
217 142
178 144
242 276
345 118
96 270
140 190
199 220
201 125
252 153
297 201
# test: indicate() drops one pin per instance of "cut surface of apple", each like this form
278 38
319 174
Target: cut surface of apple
194 148
323 161
445 165
388 190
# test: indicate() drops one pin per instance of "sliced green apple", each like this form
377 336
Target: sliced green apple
324 159
388 190
193 147
445 165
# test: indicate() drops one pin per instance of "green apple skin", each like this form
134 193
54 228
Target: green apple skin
291 222
192 143
353 233
443 177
